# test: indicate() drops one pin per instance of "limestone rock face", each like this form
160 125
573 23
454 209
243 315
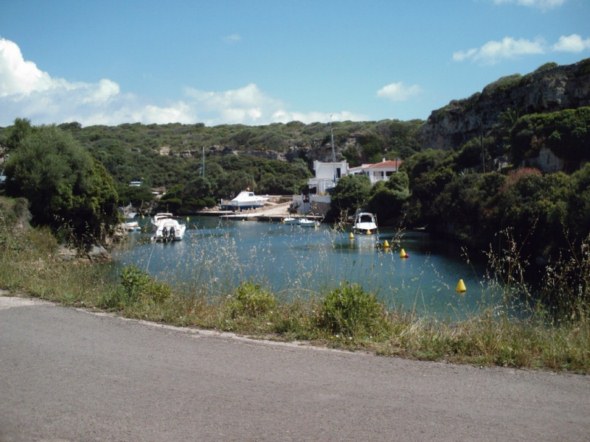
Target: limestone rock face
550 88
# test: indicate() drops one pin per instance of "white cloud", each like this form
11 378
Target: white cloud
103 92
282 116
18 76
398 91
246 105
571 43
249 105
232 38
494 51
543 5
28 92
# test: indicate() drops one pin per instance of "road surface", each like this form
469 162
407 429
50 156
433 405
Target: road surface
71 375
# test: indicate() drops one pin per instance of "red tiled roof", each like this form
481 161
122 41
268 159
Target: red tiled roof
394 164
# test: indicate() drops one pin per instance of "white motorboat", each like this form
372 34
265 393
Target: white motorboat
245 200
304 222
290 221
365 223
132 226
167 228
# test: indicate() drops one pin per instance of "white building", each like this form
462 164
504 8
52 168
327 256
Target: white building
377 171
327 175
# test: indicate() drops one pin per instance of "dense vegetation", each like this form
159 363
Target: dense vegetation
199 165
67 189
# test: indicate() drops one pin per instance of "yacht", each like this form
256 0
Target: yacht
167 228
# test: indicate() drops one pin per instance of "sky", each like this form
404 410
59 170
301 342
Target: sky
258 62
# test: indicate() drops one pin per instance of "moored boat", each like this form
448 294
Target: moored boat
167 228
128 212
304 222
365 223
132 226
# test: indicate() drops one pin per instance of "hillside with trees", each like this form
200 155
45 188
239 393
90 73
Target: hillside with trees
459 165
199 165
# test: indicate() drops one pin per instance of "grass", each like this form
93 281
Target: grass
346 317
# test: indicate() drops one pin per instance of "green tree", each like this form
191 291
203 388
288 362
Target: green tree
18 132
351 193
579 205
136 196
196 195
67 189
566 133
535 207
466 208
428 172
388 199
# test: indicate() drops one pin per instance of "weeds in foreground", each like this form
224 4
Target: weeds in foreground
353 313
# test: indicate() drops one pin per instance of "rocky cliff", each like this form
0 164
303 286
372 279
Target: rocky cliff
549 88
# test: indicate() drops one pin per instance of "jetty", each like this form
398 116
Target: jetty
272 212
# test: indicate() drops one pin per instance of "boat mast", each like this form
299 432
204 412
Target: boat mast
332 138
203 164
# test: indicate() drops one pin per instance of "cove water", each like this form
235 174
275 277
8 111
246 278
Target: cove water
215 256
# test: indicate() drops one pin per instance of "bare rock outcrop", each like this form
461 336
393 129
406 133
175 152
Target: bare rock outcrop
549 88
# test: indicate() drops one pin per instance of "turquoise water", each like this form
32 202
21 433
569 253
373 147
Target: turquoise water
215 256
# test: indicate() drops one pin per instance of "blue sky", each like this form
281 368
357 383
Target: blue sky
262 61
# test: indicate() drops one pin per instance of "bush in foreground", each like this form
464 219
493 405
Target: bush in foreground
352 312
136 286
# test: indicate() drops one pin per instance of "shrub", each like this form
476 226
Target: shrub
136 286
352 312
251 300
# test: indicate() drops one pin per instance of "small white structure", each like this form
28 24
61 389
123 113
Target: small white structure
327 175
377 171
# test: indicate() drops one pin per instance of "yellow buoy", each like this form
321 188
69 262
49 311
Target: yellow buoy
403 254
351 235
385 244
461 288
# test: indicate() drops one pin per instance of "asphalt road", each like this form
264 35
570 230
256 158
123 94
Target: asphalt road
70 375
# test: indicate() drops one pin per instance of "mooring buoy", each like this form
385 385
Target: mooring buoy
461 288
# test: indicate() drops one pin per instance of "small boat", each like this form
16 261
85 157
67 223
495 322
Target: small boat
128 212
245 200
167 228
365 223
304 222
290 221
132 226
